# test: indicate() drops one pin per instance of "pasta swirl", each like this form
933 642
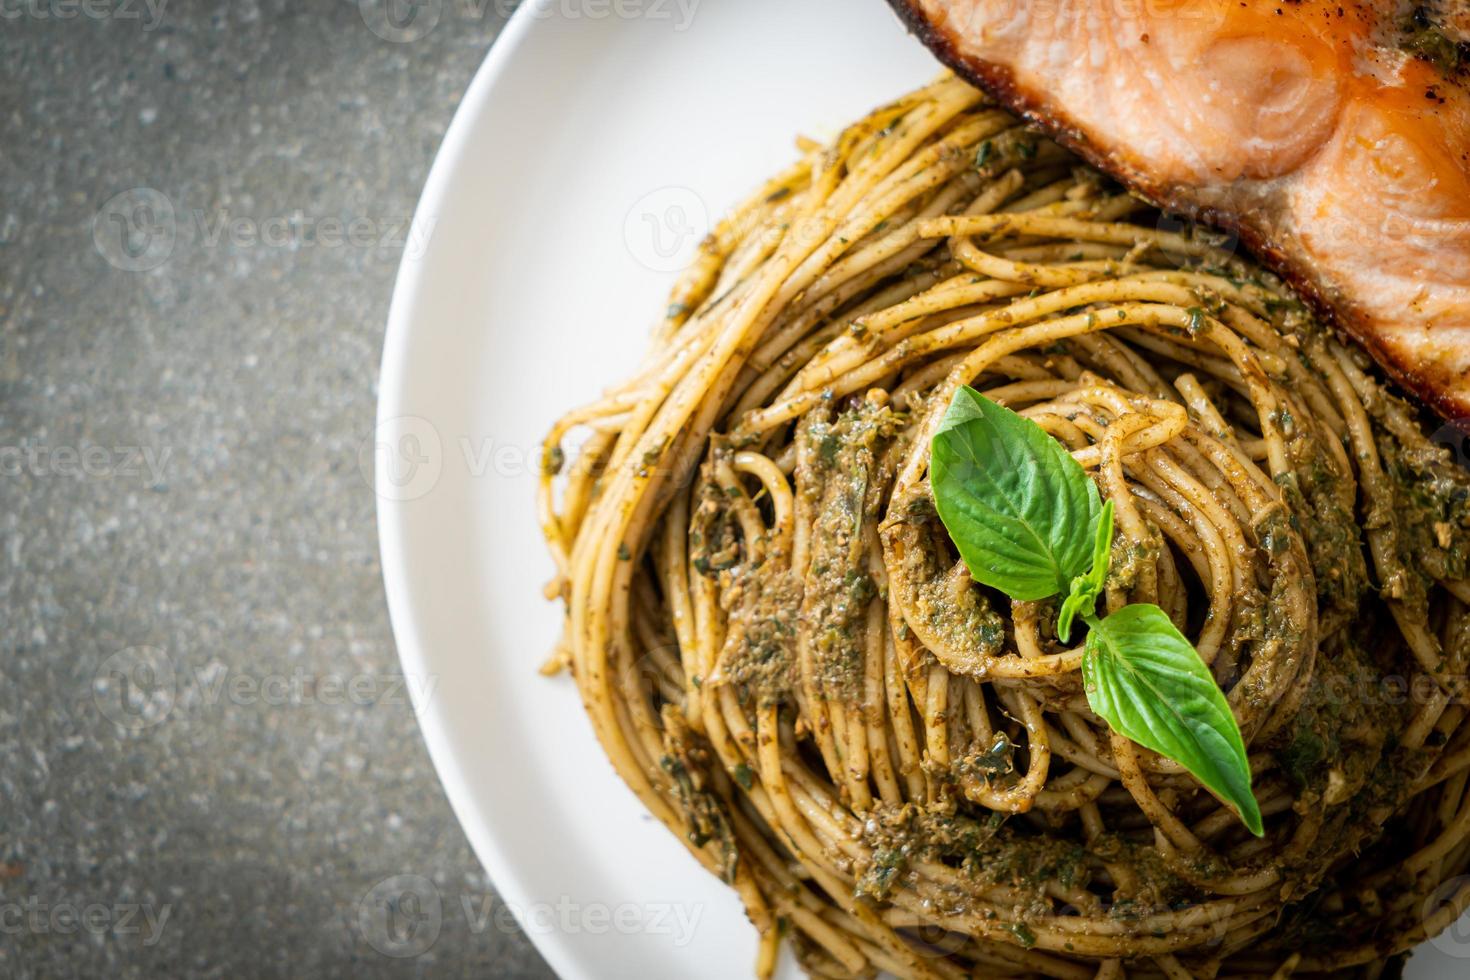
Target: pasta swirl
785 659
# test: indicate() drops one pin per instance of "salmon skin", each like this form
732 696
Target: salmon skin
1333 138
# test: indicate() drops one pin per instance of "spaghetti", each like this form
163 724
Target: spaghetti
896 768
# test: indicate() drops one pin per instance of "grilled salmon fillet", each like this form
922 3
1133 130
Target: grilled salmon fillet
1334 138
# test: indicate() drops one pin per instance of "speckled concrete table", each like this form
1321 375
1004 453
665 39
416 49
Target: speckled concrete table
208 765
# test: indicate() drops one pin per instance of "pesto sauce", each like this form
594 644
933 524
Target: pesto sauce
686 765
761 601
844 485
1430 517
994 852
760 645
1320 512
933 590
1428 41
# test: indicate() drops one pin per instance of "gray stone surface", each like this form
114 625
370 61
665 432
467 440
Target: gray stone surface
206 761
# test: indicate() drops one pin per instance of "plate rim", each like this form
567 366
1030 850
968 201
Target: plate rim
392 549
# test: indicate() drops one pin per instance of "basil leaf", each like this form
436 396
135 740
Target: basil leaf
1082 600
1018 507
1151 686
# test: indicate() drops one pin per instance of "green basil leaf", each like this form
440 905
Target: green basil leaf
1082 599
1151 686
1018 507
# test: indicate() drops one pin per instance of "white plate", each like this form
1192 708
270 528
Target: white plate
582 167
